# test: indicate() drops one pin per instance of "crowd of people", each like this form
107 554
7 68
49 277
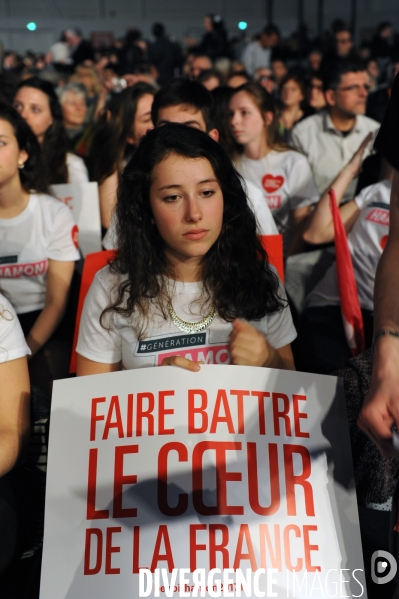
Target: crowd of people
196 153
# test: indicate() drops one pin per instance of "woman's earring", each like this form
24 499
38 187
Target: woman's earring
21 165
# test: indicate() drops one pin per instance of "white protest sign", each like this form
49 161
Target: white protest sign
163 482
82 199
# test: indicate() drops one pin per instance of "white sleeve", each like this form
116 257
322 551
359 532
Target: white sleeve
109 239
95 342
12 340
259 206
365 196
302 187
246 58
278 326
63 245
77 171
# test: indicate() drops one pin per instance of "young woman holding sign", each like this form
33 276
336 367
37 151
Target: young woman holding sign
38 245
282 174
191 282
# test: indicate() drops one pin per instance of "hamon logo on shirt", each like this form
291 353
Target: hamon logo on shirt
191 346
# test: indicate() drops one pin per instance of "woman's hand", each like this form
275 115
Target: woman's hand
182 363
249 347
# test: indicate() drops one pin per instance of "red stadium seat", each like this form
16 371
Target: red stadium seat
93 263
273 245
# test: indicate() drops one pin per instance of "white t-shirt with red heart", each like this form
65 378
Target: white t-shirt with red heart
286 181
366 241
45 230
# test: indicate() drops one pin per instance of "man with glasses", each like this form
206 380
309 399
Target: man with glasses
331 137
344 48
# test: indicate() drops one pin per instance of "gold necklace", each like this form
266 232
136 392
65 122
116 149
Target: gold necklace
191 327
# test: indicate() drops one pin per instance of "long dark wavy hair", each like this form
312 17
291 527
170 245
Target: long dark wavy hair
55 142
109 146
236 275
33 175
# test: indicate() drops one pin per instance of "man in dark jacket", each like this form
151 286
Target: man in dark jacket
164 54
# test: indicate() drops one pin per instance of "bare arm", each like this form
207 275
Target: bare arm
14 412
86 367
107 193
319 228
381 407
59 277
299 219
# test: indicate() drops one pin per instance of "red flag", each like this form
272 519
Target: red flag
350 306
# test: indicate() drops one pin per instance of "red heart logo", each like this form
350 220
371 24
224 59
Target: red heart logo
383 242
271 184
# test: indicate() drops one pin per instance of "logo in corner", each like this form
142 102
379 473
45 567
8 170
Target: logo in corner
383 567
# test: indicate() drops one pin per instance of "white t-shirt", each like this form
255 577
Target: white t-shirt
77 171
366 241
263 215
44 230
286 183
162 337
12 340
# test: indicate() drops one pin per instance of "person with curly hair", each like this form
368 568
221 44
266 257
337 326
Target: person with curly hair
191 282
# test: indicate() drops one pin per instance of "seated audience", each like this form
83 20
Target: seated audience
264 77
293 109
17 496
185 102
164 54
279 70
322 347
315 95
73 102
188 103
38 104
282 175
38 245
189 260
238 78
314 61
125 119
200 63
329 138
344 48
87 76
211 79
259 52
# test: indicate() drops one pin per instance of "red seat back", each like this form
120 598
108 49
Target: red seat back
92 264
273 245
